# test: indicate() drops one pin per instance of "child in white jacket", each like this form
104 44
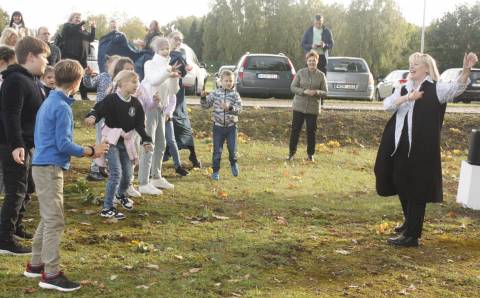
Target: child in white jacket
161 83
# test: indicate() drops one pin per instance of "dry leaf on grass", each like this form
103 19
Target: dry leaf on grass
178 257
153 266
85 224
343 252
195 270
30 290
113 277
281 220
144 287
219 217
222 194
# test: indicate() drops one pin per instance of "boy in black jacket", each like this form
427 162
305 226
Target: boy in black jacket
20 98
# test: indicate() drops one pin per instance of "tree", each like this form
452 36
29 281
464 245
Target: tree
103 26
4 19
134 28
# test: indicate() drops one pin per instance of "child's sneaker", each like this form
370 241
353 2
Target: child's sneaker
58 282
124 201
112 213
132 192
235 170
33 271
216 176
149 189
181 171
162 183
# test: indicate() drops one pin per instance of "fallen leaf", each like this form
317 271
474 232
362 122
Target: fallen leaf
194 270
113 277
85 282
111 220
142 287
128 267
30 290
343 252
89 212
153 266
222 194
220 217
178 257
85 224
281 220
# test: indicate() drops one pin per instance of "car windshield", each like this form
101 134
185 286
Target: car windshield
264 63
475 76
341 65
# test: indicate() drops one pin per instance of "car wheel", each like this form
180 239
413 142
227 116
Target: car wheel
377 95
195 88
467 101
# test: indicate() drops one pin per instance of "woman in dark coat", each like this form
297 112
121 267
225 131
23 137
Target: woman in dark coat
76 43
181 120
153 31
408 161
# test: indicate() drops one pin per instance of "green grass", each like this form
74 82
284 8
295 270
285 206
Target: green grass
293 230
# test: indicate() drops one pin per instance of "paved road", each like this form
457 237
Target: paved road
473 108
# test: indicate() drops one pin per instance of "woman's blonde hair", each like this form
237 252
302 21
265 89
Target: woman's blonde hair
7 36
158 42
428 61
123 76
312 53
72 15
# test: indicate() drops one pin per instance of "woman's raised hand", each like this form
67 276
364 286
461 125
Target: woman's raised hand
469 60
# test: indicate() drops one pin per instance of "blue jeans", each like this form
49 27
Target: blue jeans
220 134
120 172
172 143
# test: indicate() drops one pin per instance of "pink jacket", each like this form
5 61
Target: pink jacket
148 103
111 136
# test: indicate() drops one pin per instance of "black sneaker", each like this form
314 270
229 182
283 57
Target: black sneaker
59 282
124 201
21 233
195 162
12 247
33 271
181 171
290 157
310 158
95 176
112 213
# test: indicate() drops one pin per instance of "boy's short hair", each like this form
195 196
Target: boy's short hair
30 44
312 53
67 72
6 53
226 73
48 69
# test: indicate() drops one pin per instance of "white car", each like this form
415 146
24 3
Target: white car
196 78
386 86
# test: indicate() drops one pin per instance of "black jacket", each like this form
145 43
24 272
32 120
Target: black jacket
20 99
307 40
76 42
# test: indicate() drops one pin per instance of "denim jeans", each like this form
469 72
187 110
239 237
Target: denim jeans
98 139
220 134
172 143
151 162
120 172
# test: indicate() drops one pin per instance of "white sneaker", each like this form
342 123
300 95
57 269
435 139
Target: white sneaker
149 189
132 192
162 183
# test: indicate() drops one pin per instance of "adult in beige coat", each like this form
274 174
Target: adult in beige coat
309 86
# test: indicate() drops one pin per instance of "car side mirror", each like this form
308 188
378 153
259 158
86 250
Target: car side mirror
203 65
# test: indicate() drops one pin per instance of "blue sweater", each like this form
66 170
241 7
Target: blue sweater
54 132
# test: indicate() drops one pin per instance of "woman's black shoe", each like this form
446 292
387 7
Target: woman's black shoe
181 171
403 241
401 229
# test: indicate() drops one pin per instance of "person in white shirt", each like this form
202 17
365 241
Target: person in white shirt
408 161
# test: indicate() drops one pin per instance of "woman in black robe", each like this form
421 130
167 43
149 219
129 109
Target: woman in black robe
408 161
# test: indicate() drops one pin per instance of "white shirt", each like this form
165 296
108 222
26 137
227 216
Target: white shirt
446 92
157 79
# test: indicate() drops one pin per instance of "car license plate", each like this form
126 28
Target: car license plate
346 86
268 76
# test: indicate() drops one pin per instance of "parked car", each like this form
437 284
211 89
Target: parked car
196 78
264 75
386 86
92 60
349 78
217 74
473 89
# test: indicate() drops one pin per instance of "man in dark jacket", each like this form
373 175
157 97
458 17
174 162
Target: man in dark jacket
20 98
76 43
55 54
319 38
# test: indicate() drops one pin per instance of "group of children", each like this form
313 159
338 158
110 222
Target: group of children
128 114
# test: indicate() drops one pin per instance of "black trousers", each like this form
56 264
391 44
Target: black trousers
297 124
19 185
322 64
414 213
83 91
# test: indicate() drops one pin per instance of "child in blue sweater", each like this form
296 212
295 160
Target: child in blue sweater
53 148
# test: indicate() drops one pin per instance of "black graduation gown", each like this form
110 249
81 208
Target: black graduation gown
417 176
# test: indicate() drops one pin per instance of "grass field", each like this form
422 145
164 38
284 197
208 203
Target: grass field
281 229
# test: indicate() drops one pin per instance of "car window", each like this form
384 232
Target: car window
404 75
340 65
263 63
475 76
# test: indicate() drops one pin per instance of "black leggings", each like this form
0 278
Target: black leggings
297 123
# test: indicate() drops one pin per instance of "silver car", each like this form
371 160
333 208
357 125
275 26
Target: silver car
349 78
386 86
